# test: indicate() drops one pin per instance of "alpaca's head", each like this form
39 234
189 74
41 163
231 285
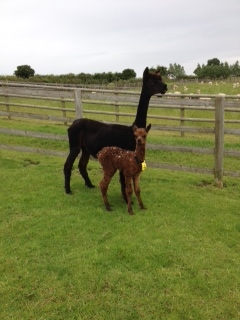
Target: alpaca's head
152 83
140 134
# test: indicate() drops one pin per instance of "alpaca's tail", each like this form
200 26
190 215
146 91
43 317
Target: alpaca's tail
75 134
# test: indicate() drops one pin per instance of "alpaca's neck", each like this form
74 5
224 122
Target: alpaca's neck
140 152
141 116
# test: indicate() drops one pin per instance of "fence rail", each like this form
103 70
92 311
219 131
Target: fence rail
169 113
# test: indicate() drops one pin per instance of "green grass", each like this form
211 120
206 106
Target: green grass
65 257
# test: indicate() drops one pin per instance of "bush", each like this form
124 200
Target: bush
24 72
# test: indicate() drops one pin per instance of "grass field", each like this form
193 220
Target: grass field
217 87
65 257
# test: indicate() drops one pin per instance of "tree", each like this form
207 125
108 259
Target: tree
213 62
235 69
128 74
176 71
198 69
24 72
213 70
163 70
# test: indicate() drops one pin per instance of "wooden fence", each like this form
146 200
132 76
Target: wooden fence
32 102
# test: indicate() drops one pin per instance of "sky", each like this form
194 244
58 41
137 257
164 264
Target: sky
74 36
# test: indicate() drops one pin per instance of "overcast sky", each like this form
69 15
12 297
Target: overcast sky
74 36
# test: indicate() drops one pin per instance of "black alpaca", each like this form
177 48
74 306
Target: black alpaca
90 136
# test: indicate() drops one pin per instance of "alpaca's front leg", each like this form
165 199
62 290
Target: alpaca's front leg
137 191
129 192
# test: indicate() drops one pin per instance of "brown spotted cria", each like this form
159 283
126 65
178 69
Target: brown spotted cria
128 162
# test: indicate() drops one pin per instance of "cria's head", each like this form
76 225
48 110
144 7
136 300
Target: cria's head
141 133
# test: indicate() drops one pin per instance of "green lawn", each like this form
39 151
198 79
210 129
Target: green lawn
65 257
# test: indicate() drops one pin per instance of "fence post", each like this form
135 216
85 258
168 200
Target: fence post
64 111
78 103
8 106
116 106
182 115
219 141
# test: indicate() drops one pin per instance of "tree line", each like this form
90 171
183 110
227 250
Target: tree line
213 69
26 72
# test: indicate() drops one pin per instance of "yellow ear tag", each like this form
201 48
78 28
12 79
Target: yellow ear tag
144 165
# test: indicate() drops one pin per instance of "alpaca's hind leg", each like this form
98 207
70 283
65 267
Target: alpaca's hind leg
82 166
137 191
129 192
68 167
104 187
123 186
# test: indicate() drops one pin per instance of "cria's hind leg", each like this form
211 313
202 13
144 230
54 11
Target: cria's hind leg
104 187
82 167
68 168
129 194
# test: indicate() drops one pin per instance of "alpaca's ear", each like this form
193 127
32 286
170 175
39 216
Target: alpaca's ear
134 128
148 127
146 72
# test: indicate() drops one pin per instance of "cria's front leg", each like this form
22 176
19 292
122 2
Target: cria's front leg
140 201
107 205
130 208
141 205
137 192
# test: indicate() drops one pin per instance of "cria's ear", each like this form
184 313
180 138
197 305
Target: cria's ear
134 128
148 127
